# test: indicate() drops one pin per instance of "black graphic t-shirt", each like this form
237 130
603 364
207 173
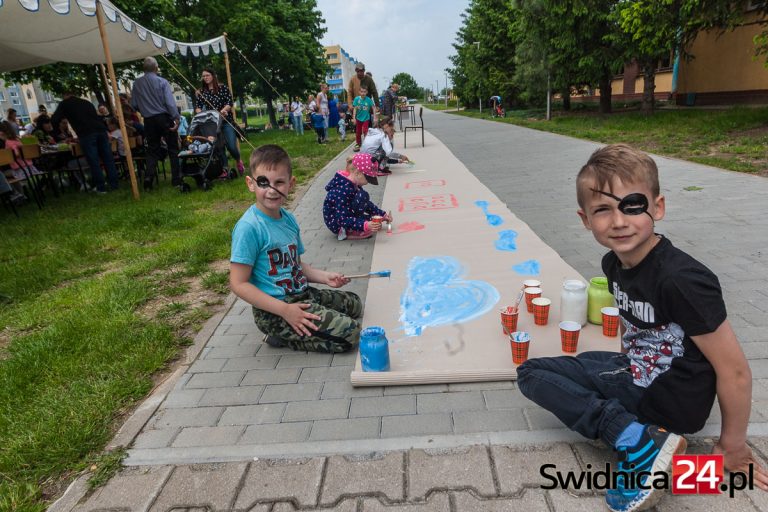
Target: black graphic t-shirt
663 301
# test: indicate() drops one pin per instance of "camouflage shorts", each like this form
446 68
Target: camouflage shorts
338 330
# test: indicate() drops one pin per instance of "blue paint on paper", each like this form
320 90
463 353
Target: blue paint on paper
493 220
437 295
506 241
528 268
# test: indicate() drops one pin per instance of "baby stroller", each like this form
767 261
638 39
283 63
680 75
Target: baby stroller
496 109
203 156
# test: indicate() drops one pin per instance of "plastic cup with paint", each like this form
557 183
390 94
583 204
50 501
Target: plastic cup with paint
378 219
519 341
509 319
540 310
610 321
569 335
530 294
531 283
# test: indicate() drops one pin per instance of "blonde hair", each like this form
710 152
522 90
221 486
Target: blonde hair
617 161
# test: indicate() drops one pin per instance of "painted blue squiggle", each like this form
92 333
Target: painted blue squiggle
493 220
506 241
436 295
528 268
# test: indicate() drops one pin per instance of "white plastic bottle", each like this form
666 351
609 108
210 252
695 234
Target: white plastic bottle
573 301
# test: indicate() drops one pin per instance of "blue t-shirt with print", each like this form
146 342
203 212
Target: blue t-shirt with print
272 247
364 108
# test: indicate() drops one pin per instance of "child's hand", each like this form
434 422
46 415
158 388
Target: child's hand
388 218
739 460
336 280
300 320
404 159
374 226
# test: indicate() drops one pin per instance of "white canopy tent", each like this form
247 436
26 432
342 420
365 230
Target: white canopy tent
38 32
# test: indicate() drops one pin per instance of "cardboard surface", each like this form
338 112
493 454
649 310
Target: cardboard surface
439 193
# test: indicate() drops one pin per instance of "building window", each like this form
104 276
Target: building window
29 94
48 96
332 56
2 96
15 101
14 94
178 97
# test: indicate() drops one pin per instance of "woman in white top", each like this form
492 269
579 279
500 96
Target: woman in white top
322 105
297 109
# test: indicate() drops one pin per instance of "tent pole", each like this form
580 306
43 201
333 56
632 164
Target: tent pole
231 91
118 106
107 91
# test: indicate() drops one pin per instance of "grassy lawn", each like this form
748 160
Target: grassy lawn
734 138
98 294
441 106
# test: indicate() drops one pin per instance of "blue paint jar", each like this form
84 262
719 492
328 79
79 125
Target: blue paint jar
374 350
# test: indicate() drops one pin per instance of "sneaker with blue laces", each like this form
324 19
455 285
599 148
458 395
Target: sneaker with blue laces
652 453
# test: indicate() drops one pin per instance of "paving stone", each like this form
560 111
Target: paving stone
241 328
413 390
132 489
202 485
282 480
225 340
383 406
345 359
518 467
355 428
349 476
706 503
190 417
442 402
489 421
346 390
540 419
238 395
316 410
215 380
283 376
291 392
276 433
251 363
416 425
326 374
242 350
506 399
182 398
438 502
304 360
208 436
155 438
207 365
459 469
481 386
531 501
564 502
349 505
252 414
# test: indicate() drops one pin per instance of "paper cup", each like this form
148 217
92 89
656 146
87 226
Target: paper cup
540 310
531 283
610 321
530 294
519 341
509 319
569 335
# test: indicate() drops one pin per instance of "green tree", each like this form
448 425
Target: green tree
408 85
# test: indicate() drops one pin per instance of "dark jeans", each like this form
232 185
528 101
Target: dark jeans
95 146
156 128
591 393
230 139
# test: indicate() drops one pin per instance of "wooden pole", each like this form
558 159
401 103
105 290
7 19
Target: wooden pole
107 91
118 106
231 90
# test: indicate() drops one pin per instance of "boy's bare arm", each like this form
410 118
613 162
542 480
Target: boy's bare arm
315 275
734 394
294 314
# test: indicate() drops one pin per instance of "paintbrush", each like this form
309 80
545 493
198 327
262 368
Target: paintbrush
519 299
380 273
389 224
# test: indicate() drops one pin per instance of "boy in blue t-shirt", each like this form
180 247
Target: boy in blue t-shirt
678 350
266 269
363 114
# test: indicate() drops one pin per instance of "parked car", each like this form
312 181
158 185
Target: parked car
411 101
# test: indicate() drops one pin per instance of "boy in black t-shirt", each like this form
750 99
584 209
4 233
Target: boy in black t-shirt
678 349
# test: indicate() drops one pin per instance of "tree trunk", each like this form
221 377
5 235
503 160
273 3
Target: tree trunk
649 86
243 109
271 112
605 94
566 94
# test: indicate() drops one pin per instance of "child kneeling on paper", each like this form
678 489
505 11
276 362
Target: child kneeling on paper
678 348
378 144
266 269
348 210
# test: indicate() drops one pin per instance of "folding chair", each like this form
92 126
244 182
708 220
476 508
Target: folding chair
7 158
32 152
415 127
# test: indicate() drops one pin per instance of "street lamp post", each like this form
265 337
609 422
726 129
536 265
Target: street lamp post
479 98
446 91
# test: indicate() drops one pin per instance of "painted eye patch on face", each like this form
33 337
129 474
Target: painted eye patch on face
263 182
631 204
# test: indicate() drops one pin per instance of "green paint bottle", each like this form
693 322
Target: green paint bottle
598 297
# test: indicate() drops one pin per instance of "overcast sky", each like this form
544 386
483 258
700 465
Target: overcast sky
394 36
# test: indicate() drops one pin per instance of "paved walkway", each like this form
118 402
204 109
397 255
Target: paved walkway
249 427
